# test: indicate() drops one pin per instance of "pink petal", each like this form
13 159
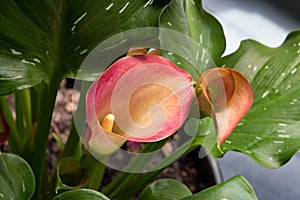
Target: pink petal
149 96
226 96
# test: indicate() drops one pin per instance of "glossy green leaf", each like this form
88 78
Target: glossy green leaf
165 189
48 40
16 178
232 189
270 131
203 39
81 194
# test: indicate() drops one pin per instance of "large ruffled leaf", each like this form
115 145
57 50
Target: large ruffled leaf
270 131
16 178
202 39
48 40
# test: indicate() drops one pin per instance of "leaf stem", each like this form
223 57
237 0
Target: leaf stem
142 181
24 121
73 145
41 137
23 111
95 171
124 179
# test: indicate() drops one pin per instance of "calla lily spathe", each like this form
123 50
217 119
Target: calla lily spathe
226 96
142 98
146 98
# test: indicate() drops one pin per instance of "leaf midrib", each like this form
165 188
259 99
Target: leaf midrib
58 33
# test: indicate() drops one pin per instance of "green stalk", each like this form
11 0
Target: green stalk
95 170
124 185
73 145
24 121
23 111
142 181
71 149
14 138
27 109
47 101
124 179
19 113
95 176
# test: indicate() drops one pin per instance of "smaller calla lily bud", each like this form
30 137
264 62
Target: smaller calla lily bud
139 98
154 52
139 51
136 51
4 129
226 96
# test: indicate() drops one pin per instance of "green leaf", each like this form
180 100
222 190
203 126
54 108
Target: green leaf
202 40
16 178
81 194
232 189
48 40
270 131
165 189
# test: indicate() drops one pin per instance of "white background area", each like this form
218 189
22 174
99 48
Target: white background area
258 20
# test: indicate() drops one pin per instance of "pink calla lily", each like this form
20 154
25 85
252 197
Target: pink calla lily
226 96
141 98
4 129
